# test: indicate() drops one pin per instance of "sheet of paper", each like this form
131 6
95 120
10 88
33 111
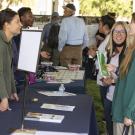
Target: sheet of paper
59 81
44 117
24 132
48 133
60 67
67 75
56 93
58 133
58 107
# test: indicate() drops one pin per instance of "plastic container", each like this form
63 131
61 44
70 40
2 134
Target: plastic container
62 88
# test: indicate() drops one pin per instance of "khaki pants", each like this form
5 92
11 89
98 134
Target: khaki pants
71 55
118 129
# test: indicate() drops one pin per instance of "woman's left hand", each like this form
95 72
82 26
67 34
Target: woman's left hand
127 121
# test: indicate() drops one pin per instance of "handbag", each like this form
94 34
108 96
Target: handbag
126 130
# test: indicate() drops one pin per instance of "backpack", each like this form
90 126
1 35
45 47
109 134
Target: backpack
53 36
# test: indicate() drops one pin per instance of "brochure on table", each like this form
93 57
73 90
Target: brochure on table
44 117
58 107
56 93
59 81
30 132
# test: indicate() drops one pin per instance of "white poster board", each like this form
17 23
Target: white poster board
29 50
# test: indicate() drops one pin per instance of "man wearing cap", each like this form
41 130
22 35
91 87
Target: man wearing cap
73 37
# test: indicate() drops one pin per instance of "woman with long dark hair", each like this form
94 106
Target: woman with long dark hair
9 26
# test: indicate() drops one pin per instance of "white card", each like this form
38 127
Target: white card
58 107
44 117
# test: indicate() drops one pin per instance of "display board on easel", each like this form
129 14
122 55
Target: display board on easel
29 50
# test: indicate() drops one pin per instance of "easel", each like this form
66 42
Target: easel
30 39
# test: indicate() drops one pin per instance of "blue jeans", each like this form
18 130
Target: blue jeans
108 116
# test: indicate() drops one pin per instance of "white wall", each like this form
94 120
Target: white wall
92 29
133 5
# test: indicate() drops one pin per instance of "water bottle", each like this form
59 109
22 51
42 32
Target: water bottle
61 88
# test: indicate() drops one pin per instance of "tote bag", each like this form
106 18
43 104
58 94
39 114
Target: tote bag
126 130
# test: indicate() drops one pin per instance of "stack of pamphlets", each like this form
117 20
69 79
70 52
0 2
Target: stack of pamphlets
46 133
44 117
58 107
56 93
60 67
60 81
24 132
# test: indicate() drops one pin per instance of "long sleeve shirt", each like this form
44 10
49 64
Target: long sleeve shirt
73 31
7 83
124 96
114 61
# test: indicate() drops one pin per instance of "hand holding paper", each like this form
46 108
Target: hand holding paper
107 81
111 67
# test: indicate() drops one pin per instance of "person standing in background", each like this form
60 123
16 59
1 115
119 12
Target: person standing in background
132 25
27 19
73 37
10 26
53 44
54 20
105 26
49 51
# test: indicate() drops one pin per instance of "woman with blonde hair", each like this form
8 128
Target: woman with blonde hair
115 49
123 106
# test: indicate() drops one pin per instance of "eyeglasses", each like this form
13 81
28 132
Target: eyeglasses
119 32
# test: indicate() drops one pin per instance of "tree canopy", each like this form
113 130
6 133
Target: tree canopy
96 7
101 7
9 2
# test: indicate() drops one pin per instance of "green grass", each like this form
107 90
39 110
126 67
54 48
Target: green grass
93 90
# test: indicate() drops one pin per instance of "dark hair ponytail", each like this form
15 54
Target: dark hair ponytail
6 15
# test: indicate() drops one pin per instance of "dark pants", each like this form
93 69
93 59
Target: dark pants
20 79
90 68
103 91
108 116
